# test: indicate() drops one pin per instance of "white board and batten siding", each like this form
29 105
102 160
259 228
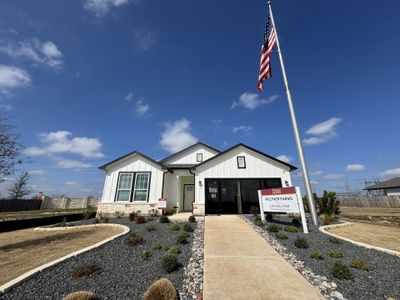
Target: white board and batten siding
225 166
133 164
189 156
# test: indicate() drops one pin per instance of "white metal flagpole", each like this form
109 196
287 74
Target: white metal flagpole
295 128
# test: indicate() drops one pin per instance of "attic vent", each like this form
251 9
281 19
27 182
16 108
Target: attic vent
199 157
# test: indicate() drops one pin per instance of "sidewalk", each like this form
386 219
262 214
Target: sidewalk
239 264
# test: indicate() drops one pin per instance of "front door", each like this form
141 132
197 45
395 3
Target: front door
188 197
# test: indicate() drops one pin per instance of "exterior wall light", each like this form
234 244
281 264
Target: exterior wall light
200 183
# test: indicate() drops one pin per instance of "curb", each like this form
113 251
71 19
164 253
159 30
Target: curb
324 230
7 286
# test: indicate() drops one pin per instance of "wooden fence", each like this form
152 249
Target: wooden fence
370 201
19 204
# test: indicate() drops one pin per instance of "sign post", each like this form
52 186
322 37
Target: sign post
282 200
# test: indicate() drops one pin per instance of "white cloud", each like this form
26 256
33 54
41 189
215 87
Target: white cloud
251 101
46 53
70 183
333 176
145 38
322 132
71 164
391 173
12 77
314 182
141 109
61 142
286 158
317 173
38 172
242 129
129 97
355 168
101 7
177 136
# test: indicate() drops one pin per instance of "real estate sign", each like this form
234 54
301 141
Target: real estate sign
282 200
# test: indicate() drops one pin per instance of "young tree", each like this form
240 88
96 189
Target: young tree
20 188
9 149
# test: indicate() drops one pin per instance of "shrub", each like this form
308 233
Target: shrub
169 263
254 210
256 218
174 250
259 222
335 254
328 204
132 216
359 264
134 239
316 255
156 246
341 271
187 228
80 295
334 240
164 219
119 214
175 227
328 219
301 243
101 218
151 227
162 289
153 212
145 255
140 220
281 236
182 237
85 270
192 219
274 228
290 229
87 213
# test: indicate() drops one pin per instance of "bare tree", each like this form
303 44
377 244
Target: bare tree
10 149
20 188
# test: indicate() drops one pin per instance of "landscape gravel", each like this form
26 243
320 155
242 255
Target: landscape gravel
123 273
382 281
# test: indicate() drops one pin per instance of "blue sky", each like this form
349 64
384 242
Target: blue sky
86 81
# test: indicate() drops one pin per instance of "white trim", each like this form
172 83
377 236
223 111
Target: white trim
5 287
324 230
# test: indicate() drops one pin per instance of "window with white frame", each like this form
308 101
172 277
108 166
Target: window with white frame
199 157
133 186
124 187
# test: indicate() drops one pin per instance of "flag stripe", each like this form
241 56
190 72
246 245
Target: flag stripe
266 50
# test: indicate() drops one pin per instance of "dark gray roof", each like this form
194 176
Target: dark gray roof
391 183
179 166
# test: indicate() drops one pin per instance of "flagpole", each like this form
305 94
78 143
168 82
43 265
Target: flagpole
295 128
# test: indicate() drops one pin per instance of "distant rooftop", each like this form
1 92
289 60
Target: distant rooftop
391 183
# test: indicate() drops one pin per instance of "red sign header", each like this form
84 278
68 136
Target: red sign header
278 191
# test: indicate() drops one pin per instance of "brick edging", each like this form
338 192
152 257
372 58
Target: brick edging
7 286
324 230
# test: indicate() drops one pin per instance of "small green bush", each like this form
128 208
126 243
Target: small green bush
341 271
174 250
151 227
316 255
192 219
290 229
169 263
134 239
175 227
274 228
336 254
301 243
187 228
281 236
87 213
334 240
85 270
164 219
359 264
156 246
145 255
259 222
182 237
140 220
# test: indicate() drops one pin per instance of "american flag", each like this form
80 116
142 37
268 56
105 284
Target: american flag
266 50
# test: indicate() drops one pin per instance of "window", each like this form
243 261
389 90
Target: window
199 157
141 186
124 187
241 162
133 186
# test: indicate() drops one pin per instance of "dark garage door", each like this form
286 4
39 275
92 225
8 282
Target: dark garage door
232 196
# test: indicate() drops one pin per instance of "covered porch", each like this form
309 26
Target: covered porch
179 190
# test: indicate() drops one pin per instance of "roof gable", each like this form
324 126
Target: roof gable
387 184
132 154
179 156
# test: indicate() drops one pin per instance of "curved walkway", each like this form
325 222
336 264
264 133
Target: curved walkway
239 264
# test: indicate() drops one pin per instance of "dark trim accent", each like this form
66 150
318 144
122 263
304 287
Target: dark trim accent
104 167
183 150
201 157
162 185
116 187
148 186
194 195
249 148
194 190
244 160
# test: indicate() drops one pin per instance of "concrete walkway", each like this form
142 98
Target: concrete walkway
240 264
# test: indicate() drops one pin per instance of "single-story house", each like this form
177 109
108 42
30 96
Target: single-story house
390 187
198 179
